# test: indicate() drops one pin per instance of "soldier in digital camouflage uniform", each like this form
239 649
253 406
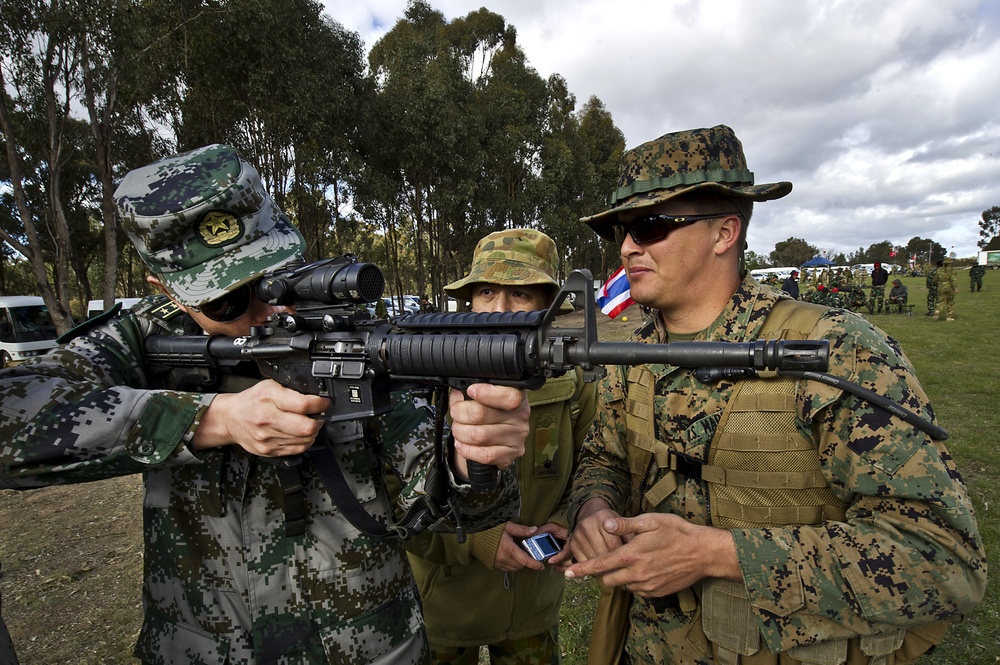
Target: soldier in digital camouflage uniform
763 516
876 302
223 582
976 273
489 591
426 306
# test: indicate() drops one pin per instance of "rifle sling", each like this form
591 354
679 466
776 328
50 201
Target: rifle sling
292 495
329 471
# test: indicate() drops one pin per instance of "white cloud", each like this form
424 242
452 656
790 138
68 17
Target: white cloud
883 115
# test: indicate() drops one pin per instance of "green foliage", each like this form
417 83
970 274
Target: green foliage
792 252
449 136
753 260
926 250
989 226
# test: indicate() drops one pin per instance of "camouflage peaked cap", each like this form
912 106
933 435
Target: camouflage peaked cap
518 256
204 223
679 163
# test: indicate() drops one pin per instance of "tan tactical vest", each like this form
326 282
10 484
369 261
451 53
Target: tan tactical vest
760 472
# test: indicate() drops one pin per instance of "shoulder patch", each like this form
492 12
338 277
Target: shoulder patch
164 311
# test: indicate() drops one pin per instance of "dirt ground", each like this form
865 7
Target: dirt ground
72 570
71 559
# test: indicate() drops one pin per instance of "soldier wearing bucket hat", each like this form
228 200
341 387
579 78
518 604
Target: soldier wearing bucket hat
519 257
517 599
729 515
224 580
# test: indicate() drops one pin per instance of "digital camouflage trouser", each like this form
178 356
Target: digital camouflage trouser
541 649
877 299
932 297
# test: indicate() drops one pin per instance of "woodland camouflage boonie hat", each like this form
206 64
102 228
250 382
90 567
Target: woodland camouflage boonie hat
518 256
678 163
203 222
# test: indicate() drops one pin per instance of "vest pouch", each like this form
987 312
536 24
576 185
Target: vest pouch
881 647
727 618
920 640
831 652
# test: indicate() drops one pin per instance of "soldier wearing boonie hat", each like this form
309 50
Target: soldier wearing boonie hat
204 223
772 492
247 559
516 612
513 257
698 160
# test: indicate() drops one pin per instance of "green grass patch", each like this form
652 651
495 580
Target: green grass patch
958 363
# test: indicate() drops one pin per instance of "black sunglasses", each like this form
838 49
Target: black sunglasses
229 307
651 228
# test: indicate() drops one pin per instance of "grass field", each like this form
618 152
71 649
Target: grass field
72 555
958 363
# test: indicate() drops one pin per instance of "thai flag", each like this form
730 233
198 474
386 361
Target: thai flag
615 296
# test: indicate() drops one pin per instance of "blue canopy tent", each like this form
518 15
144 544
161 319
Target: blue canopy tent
816 262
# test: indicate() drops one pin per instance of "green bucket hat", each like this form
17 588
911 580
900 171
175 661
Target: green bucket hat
518 256
204 223
698 159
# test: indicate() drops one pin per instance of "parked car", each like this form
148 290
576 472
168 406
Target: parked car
411 304
26 329
405 304
390 309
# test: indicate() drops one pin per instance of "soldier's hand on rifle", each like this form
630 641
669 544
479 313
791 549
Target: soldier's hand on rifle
662 555
490 426
267 419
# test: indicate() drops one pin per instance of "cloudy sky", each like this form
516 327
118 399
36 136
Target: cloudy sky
884 115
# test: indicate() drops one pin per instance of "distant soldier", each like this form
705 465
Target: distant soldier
820 296
947 287
426 306
976 277
835 298
856 298
876 303
791 285
932 289
897 296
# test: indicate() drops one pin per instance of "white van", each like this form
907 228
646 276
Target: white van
760 274
95 307
26 329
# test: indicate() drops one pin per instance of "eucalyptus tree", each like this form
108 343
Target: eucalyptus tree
460 117
423 149
792 252
285 85
39 59
579 169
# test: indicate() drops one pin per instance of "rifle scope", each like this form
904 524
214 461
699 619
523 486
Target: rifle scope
336 281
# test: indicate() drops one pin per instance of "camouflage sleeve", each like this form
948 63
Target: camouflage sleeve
407 440
909 551
83 412
603 467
